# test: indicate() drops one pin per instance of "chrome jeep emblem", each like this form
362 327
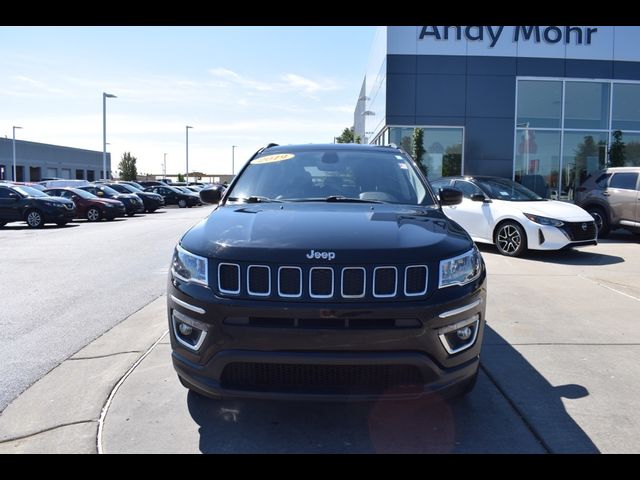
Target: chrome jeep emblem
321 255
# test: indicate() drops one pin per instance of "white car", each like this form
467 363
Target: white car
504 213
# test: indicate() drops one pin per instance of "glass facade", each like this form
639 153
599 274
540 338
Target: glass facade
442 146
567 129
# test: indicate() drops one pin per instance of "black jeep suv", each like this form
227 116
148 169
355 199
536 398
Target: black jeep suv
327 272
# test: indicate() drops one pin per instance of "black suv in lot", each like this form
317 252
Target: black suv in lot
18 202
327 272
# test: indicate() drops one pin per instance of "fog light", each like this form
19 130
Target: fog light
186 329
463 333
459 336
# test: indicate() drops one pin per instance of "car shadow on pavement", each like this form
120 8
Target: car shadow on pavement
482 422
620 236
561 257
53 226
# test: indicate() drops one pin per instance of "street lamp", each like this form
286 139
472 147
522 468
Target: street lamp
187 130
164 166
14 153
233 160
104 131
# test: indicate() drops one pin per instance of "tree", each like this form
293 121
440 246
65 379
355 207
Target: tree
617 150
347 136
418 148
127 167
180 177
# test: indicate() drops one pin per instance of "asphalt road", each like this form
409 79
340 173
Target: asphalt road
60 288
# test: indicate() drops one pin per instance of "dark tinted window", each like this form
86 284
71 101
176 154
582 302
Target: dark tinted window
119 188
601 181
54 193
627 181
438 184
5 192
467 188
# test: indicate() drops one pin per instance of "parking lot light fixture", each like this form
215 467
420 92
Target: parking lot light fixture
104 132
14 152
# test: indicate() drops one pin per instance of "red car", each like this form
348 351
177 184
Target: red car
88 205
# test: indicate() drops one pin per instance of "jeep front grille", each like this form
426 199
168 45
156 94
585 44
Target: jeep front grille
322 282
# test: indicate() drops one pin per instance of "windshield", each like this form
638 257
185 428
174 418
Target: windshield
83 193
504 189
135 186
123 188
108 190
345 174
30 191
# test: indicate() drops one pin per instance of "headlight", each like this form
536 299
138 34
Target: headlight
460 270
54 204
550 222
189 267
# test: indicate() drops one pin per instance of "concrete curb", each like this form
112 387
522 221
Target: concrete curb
61 411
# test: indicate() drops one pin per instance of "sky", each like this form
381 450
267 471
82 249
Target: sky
243 86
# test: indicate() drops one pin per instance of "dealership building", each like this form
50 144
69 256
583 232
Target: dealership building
35 161
539 104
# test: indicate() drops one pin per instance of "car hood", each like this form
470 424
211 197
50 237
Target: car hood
355 233
567 212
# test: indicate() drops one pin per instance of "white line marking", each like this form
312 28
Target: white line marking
609 288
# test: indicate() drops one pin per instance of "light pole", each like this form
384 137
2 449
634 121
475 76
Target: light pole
164 166
104 132
233 159
14 153
187 129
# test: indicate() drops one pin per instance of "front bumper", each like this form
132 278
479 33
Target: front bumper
54 215
542 237
334 351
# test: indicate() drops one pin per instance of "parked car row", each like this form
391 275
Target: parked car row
61 201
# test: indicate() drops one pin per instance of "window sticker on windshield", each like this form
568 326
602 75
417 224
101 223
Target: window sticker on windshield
399 157
504 194
273 158
403 166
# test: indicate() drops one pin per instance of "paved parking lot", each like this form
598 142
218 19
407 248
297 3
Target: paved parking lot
559 374
63 287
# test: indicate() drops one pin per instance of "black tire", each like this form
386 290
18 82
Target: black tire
110 219
61 224
182 203
510 239
94 215
34 219
2 224
602 221
131 214
151 210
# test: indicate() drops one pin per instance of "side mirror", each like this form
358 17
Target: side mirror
450 196
478 197
210 195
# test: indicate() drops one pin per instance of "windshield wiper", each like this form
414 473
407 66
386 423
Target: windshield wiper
336 198
254 199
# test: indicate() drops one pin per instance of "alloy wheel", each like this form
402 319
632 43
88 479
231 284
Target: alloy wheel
509 239
34 219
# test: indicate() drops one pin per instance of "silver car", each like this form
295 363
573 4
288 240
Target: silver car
612 197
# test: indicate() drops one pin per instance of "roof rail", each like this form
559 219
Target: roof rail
392 145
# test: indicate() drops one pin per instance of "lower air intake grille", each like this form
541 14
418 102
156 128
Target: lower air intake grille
319 378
